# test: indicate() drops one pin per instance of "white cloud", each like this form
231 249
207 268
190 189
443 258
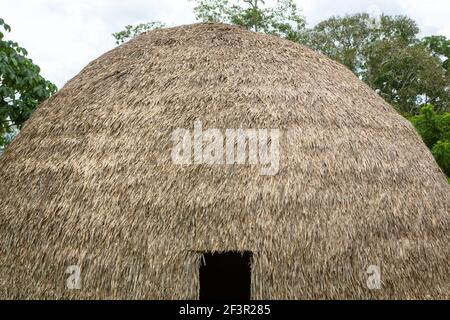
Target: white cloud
62 36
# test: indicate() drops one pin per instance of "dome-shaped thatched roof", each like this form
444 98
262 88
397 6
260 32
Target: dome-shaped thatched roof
90 180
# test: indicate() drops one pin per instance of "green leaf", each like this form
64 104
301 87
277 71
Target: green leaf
22 87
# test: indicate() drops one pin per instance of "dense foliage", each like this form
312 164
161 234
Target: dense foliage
386 53
435 131
283 20
22 87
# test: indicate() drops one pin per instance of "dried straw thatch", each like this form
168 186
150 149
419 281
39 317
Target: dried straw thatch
89 180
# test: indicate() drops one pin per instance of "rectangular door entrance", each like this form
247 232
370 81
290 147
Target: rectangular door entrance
225 276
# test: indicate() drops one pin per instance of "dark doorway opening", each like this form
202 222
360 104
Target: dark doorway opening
225 276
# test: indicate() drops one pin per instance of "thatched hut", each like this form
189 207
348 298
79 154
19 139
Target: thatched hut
90 181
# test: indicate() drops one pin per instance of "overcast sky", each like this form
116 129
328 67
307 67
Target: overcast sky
62 36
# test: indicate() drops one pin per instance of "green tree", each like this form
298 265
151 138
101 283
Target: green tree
439 47
283 19
386 53
131 32
407 76
22 87
441 152
429 125
434 129
349 39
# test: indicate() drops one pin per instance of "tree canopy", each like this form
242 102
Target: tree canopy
386 53
283 19
22 87
349 39
435 131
